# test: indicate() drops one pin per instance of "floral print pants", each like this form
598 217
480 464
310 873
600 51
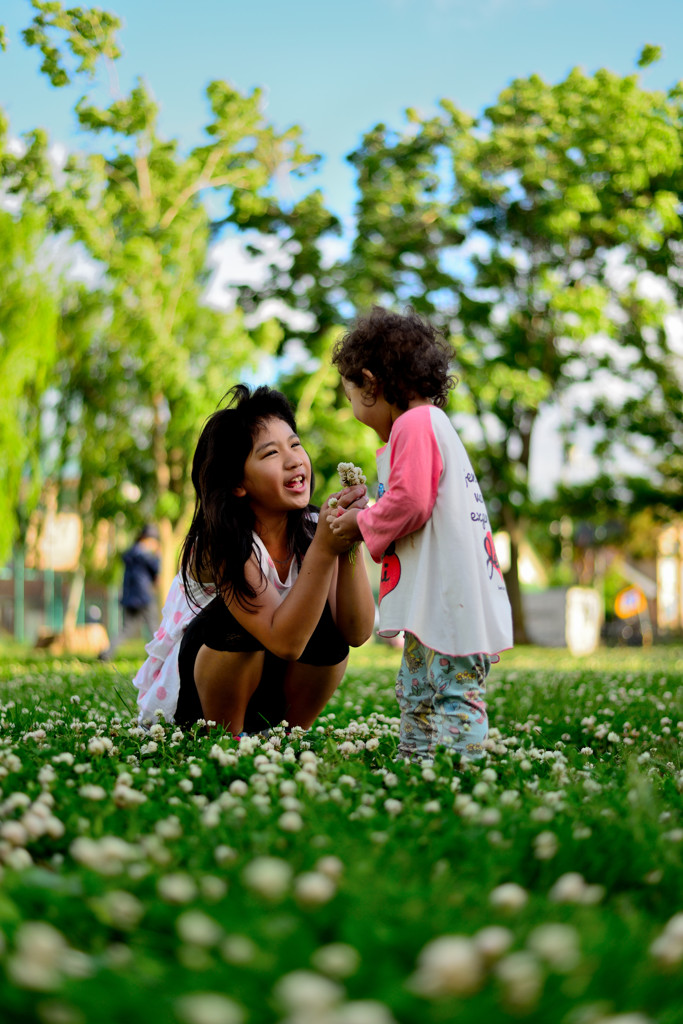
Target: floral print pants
442 702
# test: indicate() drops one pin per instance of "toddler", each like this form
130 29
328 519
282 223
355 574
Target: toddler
440 581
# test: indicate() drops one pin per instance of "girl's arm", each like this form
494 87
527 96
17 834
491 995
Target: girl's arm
353 607
284 626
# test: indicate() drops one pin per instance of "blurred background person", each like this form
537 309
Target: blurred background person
139 600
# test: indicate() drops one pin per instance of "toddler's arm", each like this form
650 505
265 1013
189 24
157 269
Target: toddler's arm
415 471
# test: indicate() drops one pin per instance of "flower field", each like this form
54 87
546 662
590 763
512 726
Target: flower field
311 879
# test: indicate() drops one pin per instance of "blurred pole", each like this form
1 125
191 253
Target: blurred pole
49 598
19 630
113 626
59 603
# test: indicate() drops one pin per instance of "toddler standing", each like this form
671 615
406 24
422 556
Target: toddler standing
440 582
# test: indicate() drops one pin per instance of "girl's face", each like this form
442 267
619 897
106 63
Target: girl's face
277 473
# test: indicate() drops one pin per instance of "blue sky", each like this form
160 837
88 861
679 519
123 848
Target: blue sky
336 68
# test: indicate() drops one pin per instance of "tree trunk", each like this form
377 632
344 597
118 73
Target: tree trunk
74 601
512 577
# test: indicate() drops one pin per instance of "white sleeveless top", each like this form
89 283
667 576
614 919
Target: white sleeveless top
158 680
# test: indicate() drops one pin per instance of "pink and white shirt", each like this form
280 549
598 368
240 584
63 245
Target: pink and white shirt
430 529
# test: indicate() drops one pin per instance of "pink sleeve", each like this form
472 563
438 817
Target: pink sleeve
414 474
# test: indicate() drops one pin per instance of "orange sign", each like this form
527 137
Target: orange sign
629 602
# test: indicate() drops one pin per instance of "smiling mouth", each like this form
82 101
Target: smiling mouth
296 483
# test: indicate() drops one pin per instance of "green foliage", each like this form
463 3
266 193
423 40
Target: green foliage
143 359
649 55
89 35
565 193
28 351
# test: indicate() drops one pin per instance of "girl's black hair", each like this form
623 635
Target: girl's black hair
220 542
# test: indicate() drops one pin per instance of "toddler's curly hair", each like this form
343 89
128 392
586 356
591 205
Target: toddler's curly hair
406 355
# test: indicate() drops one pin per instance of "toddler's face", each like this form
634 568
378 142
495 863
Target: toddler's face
375 413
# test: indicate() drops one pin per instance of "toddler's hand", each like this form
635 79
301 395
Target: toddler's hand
355 496
344 525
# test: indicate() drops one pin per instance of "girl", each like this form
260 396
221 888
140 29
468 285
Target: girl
440 581
276 599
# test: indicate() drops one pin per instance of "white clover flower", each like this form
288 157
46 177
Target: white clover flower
545 845
337 959
270 877
47 775
667 948
573 888
625 1018
37 962
493 941
291 821
448 966
198 929
331 866
177 888
393 807
521 978
508 896
238 787
119 908
557 944
208 1008
14 832
350 475
362 1011
65 758
17 858
126 796
238 949
304 992
92 792
313 889
100 745
213 888
224 854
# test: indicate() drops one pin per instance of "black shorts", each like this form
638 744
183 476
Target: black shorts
216 627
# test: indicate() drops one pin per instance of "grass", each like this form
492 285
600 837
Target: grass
314 880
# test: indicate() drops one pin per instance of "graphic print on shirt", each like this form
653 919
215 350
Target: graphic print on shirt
479 516
491 556
391 572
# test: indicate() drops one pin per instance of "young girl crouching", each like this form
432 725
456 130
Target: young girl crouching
277 599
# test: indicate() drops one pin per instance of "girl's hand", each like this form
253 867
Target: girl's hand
344 525
334 542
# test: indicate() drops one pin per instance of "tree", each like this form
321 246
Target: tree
143 359
28 350
563 196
